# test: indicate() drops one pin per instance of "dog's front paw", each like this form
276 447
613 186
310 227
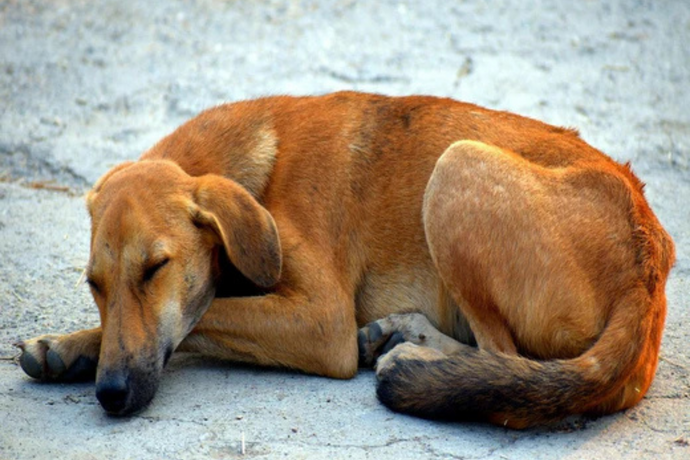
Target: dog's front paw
380 337
47 358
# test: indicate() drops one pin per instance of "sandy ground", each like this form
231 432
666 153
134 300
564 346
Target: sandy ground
87 84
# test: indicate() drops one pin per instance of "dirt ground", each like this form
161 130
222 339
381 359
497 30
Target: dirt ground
87 84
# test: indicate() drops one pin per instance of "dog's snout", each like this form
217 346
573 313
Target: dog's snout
113 392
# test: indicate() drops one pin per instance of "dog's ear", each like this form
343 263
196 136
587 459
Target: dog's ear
242 225
91 195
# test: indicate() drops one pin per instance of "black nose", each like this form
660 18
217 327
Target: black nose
112 391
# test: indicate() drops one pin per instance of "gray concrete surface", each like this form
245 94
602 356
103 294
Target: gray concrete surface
87 84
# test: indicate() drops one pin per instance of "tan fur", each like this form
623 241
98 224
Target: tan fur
268 231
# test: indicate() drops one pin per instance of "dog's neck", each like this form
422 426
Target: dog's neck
237 147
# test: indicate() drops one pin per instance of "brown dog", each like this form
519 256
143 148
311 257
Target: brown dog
268 231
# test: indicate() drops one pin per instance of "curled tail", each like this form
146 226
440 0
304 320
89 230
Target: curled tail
519 392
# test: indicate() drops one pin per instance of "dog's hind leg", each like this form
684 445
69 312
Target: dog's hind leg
469 212
531 251
61 358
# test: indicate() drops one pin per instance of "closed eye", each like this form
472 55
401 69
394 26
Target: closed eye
94 285
151 271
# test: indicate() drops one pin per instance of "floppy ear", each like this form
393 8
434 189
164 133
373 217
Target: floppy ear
245 228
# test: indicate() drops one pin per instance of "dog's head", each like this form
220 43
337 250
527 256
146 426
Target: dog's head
156 237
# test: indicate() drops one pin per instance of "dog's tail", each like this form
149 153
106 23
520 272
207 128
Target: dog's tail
519 392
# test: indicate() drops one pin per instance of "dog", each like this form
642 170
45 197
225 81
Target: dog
492 267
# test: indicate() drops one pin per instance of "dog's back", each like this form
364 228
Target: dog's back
350 169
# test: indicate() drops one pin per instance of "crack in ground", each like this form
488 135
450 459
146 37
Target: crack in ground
424 441
156 418
21 161
361 78
392 442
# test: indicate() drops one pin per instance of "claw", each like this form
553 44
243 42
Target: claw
362 344
395 339
368 339
56 366
31 366
375 332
